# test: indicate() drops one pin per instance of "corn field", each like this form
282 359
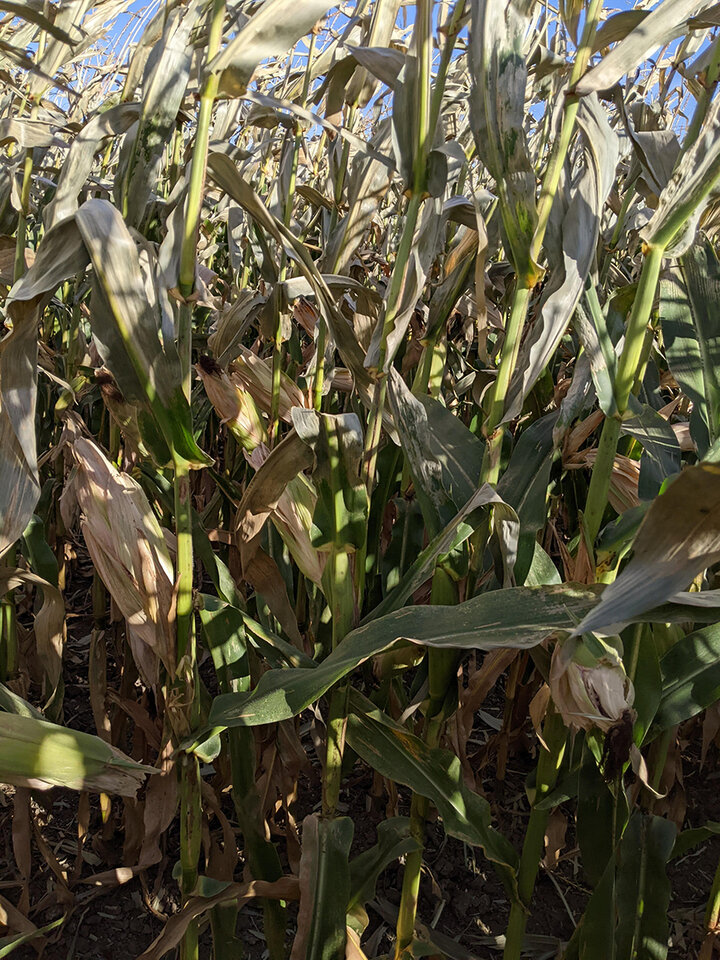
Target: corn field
359 479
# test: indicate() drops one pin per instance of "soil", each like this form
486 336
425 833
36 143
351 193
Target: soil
461 898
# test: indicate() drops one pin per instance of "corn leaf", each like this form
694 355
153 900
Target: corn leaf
691 677
690 311
683 200
127 329
78 164
269 32
679 537
497 108
324 889
41 755
571 247
660 26
393 751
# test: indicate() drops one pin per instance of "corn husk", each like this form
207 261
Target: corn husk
127 546
233 403
292 518
122 412
591 692
256 376
37 754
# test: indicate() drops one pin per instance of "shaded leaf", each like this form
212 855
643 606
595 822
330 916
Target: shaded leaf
324 889
436 774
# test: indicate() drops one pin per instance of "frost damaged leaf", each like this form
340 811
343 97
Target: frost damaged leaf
224 172
497 109
270 32
78 164
679 538
580 230
164 84
674 223
264 491
127 329
660 26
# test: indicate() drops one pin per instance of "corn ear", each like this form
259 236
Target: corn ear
127 546
292 518
591 691
256 376
233 403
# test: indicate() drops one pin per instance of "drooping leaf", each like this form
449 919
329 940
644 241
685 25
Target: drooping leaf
272 30
519 617
393 840
662 24
127 328
285 888
41 755
393 751
572 253
679 537
224 172
78 163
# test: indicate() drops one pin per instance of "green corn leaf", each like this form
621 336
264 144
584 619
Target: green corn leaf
393 751
393 841
324 888
627 913
661 452
40 755
691 677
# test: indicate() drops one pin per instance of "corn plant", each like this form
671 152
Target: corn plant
359 363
